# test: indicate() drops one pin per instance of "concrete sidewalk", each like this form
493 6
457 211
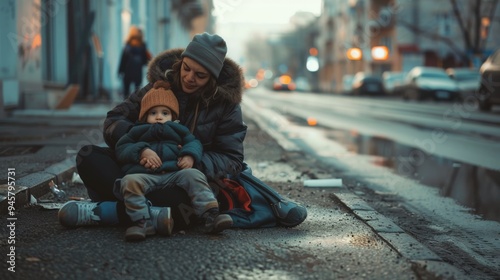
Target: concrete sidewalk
77 110
39 146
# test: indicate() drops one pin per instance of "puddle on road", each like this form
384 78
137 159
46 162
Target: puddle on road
472 186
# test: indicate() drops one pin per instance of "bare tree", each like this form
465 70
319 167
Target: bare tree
474 32
474 21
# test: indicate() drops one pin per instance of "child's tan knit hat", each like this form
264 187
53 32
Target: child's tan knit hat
159 95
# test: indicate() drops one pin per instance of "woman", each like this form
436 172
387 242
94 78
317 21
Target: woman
209 90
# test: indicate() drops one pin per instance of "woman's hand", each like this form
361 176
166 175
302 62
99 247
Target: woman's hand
185 162
149 159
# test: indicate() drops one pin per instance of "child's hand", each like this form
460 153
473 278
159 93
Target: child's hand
150 160
185 162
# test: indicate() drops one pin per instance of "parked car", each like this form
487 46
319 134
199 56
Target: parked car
302 84
468 80
251 83
392 81
284 82
347 84
489 91
367 84
429 83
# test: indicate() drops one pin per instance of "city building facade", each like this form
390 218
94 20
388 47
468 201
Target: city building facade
375 36
54 43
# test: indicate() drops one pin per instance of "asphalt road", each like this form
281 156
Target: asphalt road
452 231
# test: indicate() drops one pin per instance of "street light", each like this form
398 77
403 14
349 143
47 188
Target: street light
485 24
380 53
312 64
313 51
354 54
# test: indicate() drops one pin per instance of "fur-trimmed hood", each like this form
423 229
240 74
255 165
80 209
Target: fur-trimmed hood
230 81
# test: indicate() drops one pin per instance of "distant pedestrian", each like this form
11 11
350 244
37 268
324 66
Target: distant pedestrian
172 151
134 57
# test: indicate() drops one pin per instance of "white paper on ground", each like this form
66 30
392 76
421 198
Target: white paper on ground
51 205
324 183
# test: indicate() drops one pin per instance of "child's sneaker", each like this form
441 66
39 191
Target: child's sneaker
215 222
162 220
140 230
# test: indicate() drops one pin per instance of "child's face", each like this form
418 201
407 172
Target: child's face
159 114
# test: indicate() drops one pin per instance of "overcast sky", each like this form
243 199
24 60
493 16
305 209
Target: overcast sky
238 21
262 11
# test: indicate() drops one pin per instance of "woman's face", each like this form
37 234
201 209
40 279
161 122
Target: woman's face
193 75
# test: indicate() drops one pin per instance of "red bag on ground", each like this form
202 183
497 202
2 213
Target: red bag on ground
232 195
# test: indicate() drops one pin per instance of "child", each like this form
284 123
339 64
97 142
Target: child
172 151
